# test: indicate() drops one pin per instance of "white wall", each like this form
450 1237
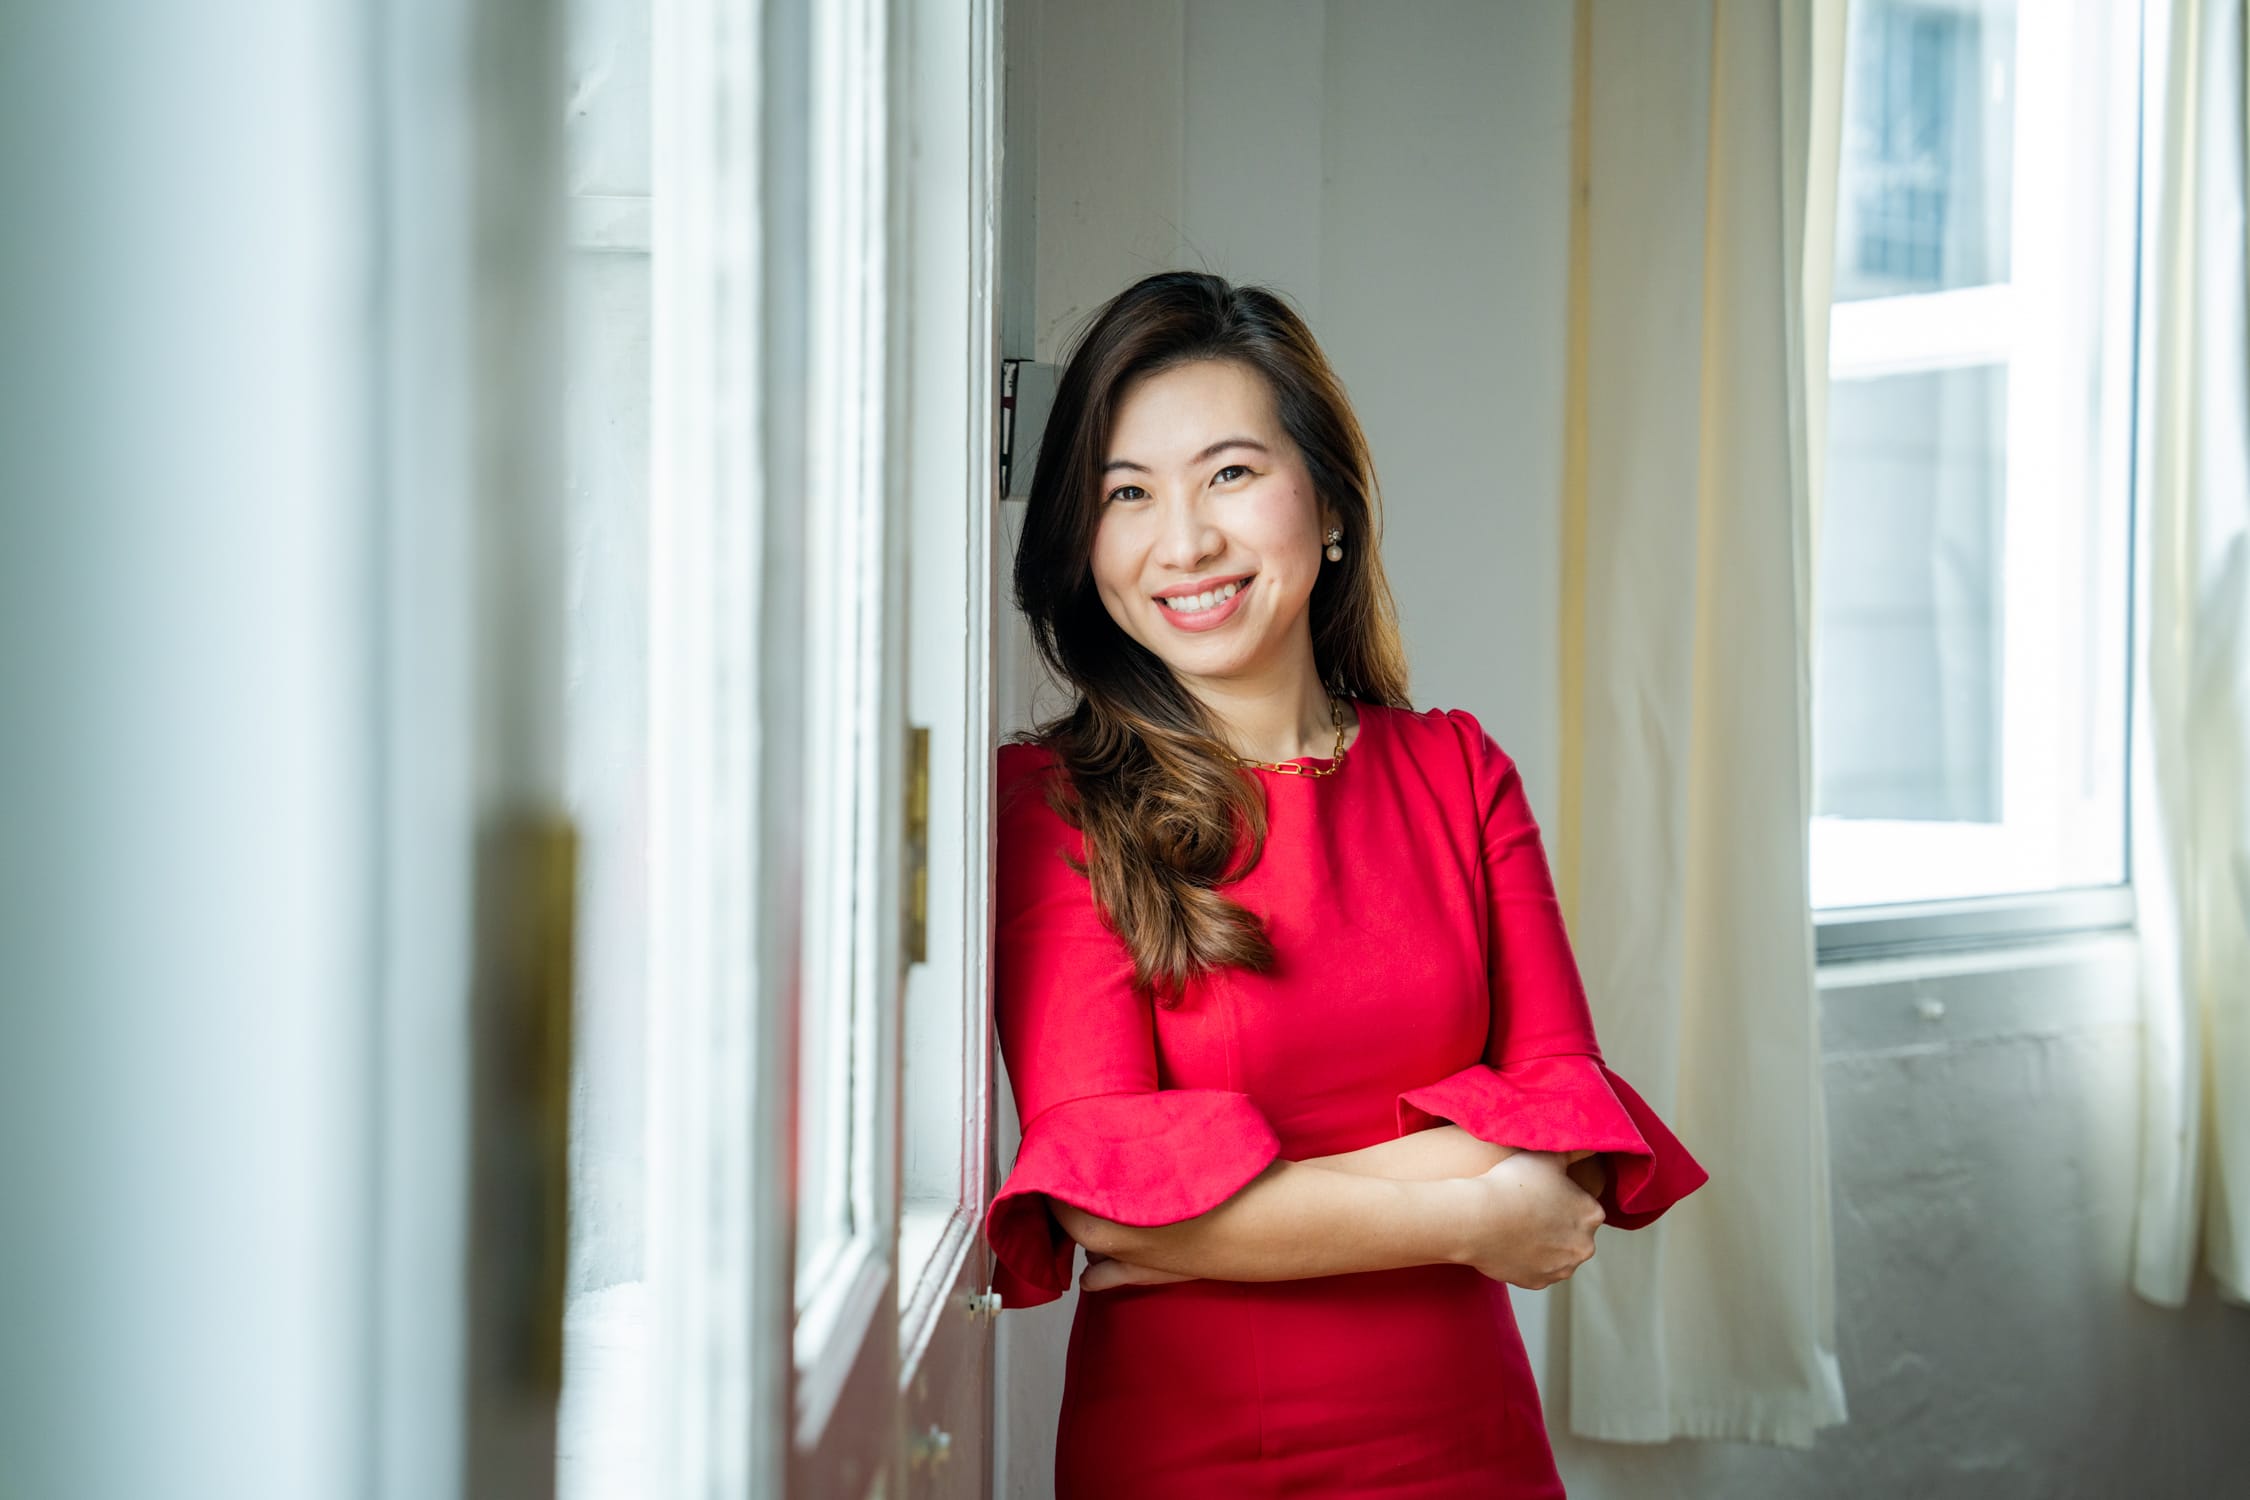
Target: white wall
1370 162
1984 1159
1401 172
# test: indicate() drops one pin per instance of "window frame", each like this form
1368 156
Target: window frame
1956 329
1847 934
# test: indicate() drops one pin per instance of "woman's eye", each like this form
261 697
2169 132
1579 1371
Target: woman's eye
1134 491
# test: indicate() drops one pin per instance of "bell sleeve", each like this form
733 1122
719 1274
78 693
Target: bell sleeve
1098 1130
1542 1084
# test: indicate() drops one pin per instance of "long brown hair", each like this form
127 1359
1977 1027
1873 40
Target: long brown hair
1143 770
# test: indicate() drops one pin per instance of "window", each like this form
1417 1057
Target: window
783 290
1970 651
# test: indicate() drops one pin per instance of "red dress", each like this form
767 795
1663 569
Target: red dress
1423 977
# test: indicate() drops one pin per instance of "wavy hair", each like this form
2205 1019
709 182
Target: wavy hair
1167 818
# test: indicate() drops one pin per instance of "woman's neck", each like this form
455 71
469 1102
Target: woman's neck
1275 722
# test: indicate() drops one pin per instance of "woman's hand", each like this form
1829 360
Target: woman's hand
1531 1220
1105 1271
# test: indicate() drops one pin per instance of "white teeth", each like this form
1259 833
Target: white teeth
1187 604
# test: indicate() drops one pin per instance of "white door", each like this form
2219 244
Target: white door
823 357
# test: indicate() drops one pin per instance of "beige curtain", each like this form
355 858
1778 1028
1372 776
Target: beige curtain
1706 155
2191 710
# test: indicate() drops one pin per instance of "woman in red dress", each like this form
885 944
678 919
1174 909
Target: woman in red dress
1301 1052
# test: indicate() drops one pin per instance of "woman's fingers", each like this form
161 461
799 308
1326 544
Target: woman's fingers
1537 1225
1563 1160
1108 1271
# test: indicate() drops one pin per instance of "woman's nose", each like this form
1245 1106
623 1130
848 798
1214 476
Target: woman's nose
1188 537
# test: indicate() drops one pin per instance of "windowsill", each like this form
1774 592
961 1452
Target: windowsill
1987 924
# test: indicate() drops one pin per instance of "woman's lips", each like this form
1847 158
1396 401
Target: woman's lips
1208 619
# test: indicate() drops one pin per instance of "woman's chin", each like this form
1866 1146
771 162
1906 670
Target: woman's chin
1215 667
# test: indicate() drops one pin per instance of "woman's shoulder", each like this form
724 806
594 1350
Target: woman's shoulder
1455 757
1443 733
1026 770
1023 766
1036 845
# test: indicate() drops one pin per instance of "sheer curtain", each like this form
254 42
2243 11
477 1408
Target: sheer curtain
1702 245
2191 709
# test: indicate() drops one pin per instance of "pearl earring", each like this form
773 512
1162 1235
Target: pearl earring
1335 553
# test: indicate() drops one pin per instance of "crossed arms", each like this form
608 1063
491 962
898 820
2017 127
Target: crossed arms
1434 1196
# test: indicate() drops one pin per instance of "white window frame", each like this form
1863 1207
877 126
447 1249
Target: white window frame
789 465
2059 790
721 938
950 403
852 764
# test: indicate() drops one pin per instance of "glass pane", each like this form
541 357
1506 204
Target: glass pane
1929 105
833 916
1907 703
824 341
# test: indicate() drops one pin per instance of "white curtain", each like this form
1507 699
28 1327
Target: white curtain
1702 247
2191 710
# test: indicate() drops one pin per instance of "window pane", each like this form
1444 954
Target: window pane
1928 141
838 857
1908 717
1970 659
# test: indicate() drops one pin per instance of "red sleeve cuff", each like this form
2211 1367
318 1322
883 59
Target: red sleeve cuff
1569 1103
1143 1158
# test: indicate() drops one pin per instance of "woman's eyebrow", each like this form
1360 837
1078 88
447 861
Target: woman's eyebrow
1220 446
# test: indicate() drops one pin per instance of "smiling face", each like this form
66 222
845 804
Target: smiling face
1206 504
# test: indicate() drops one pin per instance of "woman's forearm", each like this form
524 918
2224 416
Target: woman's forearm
1446 1151
1295 1220
1425 1156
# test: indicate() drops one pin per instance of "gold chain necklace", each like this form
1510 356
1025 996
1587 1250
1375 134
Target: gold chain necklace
1294 768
